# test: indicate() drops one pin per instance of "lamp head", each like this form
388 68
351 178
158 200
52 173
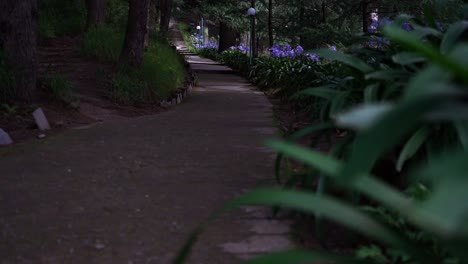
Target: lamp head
251 11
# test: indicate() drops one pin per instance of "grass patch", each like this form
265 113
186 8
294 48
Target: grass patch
160 75
60 90
58 17
186 32
103 43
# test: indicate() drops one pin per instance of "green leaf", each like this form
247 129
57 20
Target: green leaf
325 92
448 175
387 132
363 116
328 207
388 75
408 40
301 257
412 146
452 36
371 93
431 80
405 58
349 60
462 132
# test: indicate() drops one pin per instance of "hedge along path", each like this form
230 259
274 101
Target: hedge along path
131 190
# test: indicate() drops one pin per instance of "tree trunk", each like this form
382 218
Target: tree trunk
166 8
134 45
270 23
96 13
18 39
227 37
324 12
254 33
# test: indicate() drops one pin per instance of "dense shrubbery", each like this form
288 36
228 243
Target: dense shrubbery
162 73
58 17
104 43
60 90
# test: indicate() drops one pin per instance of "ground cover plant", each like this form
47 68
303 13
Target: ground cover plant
160 76
399 95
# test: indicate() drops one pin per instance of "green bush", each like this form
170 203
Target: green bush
7 81
60 90
325 34
208 52
161 74
236 60
58 17
117 14
103 43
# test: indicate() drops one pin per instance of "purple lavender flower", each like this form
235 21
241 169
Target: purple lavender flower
313 56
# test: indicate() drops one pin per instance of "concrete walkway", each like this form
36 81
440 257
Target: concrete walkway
130 191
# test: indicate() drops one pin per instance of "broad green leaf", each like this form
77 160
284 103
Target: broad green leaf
388 75
408 40
296 136
365 184
302 257
448 201
405 58
462 132
412 146
346 59
423 32
453 34
385 133
431 80
364 116
339 102
325 92
371 93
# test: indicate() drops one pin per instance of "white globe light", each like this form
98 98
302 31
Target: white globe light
251 11
198 27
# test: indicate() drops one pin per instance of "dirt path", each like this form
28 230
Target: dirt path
130 191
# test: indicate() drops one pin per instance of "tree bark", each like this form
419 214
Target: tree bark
166 8
96 13
254 33
227 37
18 39
134 45
324 12
270 23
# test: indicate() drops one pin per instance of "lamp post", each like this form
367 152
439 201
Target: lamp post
199 32
252 12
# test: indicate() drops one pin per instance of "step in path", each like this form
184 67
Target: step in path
130 191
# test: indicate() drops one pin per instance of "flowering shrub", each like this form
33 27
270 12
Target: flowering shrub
242 48
207 50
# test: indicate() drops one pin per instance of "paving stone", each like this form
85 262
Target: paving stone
5 139
258 244
41 120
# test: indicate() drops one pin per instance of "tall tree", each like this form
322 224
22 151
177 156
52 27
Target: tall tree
96 12
166 10
18 39
254 32
227 36
270 23
134 45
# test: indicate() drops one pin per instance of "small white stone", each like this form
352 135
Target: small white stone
41 136
99 246
41 120
5 139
